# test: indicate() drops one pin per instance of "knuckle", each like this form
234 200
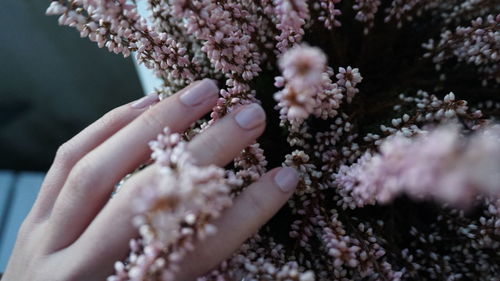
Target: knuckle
27 230
83 173
111 120
153 121
24 230
215 143
211 149
256 205
65 154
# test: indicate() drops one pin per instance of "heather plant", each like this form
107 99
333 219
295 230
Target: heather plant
387 109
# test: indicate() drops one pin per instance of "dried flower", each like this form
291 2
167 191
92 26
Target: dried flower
440 164
173 211
384 178
477 44
307 86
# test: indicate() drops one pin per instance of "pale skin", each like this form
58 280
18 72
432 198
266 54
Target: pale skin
75 232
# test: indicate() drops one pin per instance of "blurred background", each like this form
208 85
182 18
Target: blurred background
52 84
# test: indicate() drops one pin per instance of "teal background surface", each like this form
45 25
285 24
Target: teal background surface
52 84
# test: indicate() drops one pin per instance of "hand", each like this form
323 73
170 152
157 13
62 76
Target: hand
74 232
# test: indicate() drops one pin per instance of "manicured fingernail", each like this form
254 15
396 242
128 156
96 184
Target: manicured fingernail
250 117
145 101
199 93
286 179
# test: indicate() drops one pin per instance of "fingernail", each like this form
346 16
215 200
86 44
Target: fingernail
204 90
145 101
286 179
250 117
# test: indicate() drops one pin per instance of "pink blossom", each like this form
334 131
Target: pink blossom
476 44
308 88
329 12
366 10
292 16
173 211
440 165
355 153
348 79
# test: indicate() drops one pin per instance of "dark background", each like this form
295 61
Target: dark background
52 84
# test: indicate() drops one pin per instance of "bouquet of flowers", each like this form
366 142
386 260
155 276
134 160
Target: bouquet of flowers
387 109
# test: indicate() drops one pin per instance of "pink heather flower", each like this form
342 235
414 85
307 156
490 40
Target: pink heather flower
476 44
295 106
174 211
260 259
328 98
55 8
366 10
440 165
331 144
307 86
328 12
118 27
299 160
226 40
251 163
348 79
303 66
292 16
407 10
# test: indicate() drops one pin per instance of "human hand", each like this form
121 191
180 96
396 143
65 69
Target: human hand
74 232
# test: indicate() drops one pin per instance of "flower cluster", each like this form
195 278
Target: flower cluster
173 211
117 26
477 44
328 12
440 164
366 11
308 87
387 109
292 16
